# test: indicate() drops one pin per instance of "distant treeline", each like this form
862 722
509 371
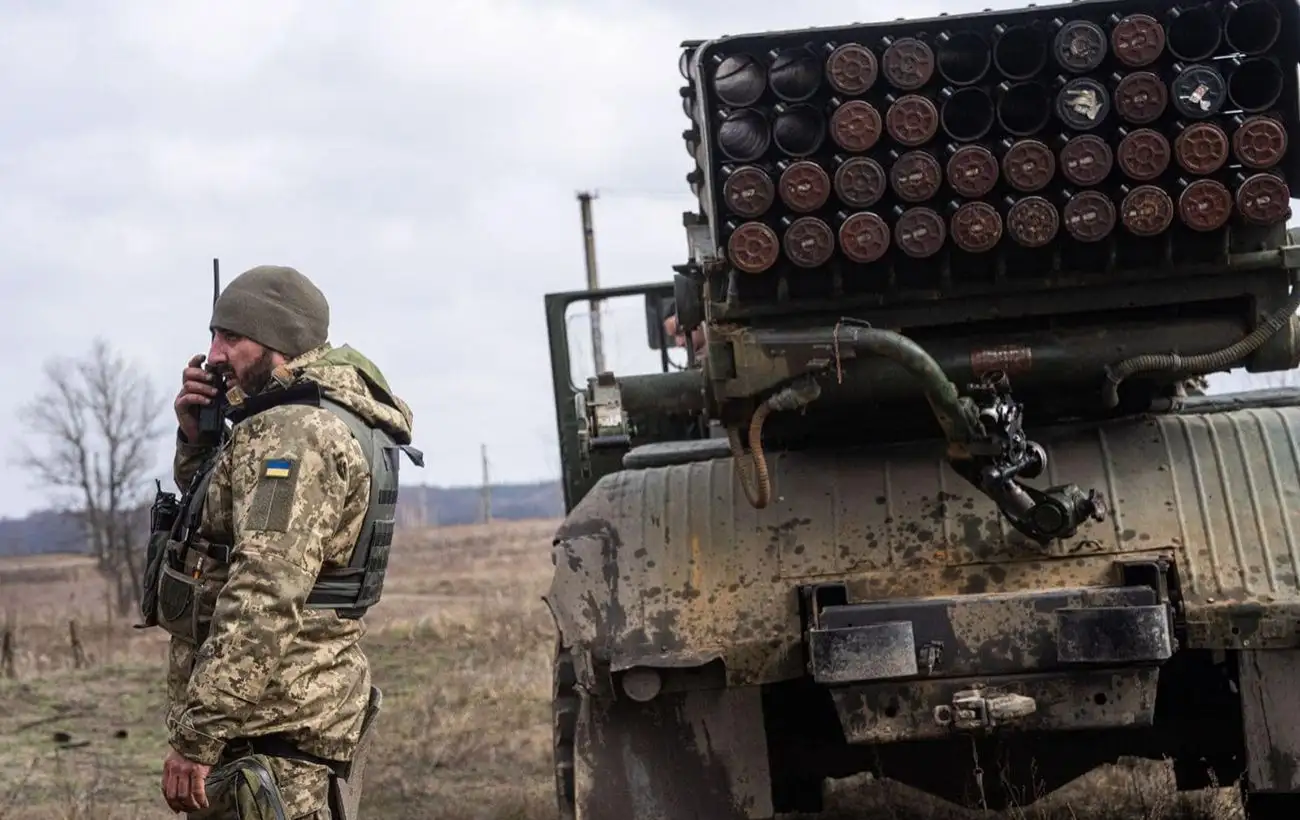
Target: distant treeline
45 532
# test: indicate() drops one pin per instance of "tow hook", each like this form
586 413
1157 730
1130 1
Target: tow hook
974 709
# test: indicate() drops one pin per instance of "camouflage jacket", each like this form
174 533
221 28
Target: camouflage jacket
266 664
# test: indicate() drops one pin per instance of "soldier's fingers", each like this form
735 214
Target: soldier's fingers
197 359
197 386
182 780
187 400
196 374
198 788
171 790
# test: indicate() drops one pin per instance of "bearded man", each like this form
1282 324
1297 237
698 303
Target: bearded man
277 547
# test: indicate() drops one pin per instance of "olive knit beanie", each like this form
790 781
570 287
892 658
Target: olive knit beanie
275 306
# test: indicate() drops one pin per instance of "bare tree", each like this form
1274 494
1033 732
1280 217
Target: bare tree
99 417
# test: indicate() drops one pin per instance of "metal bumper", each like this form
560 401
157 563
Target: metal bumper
915 669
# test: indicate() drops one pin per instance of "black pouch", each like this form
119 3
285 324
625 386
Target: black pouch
162 518
177 601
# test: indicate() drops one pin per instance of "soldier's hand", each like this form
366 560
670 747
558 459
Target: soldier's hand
671 329
196 390
184 783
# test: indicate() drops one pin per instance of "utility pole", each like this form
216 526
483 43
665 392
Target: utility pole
487 487
593 280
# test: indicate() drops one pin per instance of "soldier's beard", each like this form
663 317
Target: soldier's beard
258 375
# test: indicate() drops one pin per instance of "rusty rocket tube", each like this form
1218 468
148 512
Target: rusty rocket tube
808 241
976 226
1137 40
1028 164
1258 142
1201 148
864 236
859 182
1146 210
804 186
1140 97
919 231
1143 154
1032 221
748 190
972 170
911 119
753 247
907 63
851 68
1088 216
1204 204
1262 198
855 125
1085 160
914 176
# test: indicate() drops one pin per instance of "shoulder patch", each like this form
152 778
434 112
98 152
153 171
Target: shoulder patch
271 506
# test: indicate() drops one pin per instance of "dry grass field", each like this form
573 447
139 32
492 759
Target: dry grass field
460 645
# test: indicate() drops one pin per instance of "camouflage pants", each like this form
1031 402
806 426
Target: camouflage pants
258 787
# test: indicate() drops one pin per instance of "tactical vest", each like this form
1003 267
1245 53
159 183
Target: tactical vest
349 590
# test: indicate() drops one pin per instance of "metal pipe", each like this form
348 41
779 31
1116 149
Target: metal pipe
1193 33
655 394
795 74
743 135
967 113
1252 26
798 130
1254 83
1038 361
1020 51
963 57
1023 108
957 418
738 80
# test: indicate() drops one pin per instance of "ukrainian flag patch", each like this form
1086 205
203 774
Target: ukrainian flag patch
277 468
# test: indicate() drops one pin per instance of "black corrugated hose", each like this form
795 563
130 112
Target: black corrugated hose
1199 364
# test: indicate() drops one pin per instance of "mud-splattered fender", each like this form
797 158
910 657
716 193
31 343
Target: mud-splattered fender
648 572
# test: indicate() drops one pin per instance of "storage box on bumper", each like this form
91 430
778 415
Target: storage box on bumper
1059 659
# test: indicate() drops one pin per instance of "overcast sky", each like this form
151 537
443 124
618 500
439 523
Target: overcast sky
417 159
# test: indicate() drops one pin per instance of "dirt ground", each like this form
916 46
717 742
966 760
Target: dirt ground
461 647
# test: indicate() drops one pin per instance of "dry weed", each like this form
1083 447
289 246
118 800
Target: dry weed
461 647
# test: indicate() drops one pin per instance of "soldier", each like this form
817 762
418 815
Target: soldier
266 573
678 339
